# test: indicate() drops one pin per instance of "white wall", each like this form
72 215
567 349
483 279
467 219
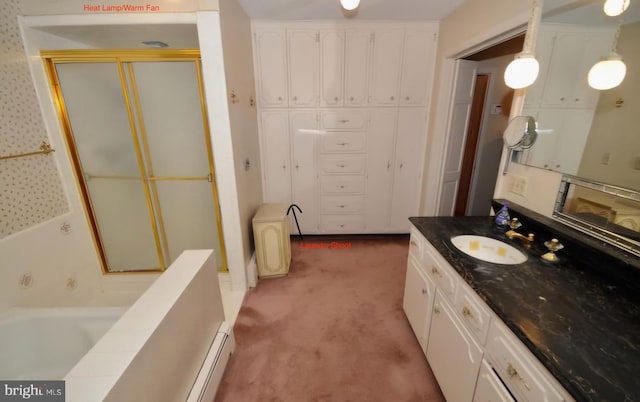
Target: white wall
238 62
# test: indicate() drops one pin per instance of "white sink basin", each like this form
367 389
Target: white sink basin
488 249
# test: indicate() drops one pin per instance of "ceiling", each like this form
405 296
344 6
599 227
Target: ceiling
432 10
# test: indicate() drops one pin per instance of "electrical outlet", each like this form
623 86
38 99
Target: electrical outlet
606 157
519 185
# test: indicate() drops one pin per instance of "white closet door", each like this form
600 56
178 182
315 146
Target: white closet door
387 64
331 67
380 145
304 131
276 165
410 148
357 55
303 67
417 66
271 66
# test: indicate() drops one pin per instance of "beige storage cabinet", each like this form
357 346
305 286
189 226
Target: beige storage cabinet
271 235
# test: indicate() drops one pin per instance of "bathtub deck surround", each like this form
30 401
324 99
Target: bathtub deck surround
576 316
333 329
156 350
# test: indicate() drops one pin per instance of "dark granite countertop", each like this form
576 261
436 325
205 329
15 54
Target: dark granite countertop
579 320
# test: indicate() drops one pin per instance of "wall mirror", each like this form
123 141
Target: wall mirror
584 132
607 212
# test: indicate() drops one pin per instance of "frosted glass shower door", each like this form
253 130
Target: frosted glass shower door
137 130
179 160
106 151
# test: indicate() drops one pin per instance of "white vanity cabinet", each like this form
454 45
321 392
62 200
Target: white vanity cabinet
472 353
453 354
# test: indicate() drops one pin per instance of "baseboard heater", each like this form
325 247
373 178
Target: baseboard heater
210 375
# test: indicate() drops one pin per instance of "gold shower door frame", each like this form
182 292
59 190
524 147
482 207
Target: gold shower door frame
124 59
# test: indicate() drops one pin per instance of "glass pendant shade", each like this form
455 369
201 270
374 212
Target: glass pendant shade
350 4
522 71
608 73
615 7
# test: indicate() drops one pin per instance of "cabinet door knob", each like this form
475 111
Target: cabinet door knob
562 98
342 144
279 98
335 99
351 98
436 308
342 166
343 121
407 98
466 312
341 186
392 97
435 271
341 206
284 167
413 243
295 98
424 291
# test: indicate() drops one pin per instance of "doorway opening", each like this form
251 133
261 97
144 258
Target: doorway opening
480 113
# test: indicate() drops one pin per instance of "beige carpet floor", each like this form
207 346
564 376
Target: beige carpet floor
332 330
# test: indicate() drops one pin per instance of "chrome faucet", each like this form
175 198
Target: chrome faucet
526 240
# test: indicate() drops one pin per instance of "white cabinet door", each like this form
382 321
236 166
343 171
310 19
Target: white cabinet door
380 141
453 355
386 65
357 55
304 126
489 388
276 166
303 67
408 165
271 66
417 66
331 67
417 303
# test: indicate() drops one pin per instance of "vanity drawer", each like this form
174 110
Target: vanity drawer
342 204
416 246
440 272
341 223
344 120
343 142
342 184
354 164
517 367
475 314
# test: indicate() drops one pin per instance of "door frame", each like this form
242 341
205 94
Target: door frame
443 105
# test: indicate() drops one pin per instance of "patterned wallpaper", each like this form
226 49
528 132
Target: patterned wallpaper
31 191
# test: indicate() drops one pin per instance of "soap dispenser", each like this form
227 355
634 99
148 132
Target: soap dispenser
502 217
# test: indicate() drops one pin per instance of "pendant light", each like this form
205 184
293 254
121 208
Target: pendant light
349 4
613 8
610 72
523 70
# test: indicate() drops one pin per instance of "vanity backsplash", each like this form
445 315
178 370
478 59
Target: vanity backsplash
584 251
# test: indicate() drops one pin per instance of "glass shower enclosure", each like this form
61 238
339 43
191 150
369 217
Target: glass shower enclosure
136 129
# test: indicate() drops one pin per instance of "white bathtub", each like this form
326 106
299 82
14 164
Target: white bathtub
45 343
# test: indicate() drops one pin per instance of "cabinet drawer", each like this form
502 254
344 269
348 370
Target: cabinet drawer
343 142
342 184
416 245
344 120
342 223
517 369
489 388
342 204
342 164
474 313
440 272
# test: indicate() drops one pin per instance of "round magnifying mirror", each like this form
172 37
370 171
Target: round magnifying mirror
521 132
